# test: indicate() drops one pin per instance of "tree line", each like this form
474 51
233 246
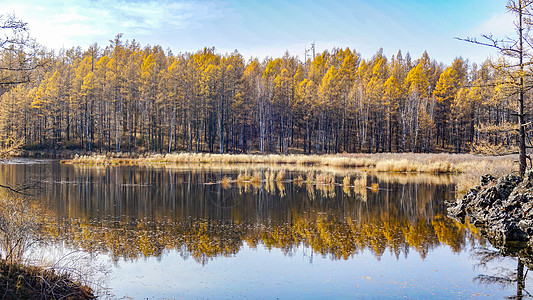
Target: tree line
125 97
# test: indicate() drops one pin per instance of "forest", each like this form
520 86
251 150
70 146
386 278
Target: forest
126 97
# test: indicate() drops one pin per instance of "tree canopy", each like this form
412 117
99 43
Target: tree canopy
126 97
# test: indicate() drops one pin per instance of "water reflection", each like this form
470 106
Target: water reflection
138 214
132 212
518 258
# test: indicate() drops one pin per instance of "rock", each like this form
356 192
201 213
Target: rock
503 207
526 226
486 179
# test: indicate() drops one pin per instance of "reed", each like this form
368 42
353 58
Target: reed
226 182
298 181
326 190
256 178
464 170
243 177
281 188
325 179
310 177
360 181
383 162
270 176
281 175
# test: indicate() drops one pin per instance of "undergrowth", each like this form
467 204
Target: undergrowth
18 281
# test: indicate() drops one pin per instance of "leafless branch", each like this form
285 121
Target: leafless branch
493 43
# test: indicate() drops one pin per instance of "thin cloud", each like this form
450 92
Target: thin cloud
64 23
499 25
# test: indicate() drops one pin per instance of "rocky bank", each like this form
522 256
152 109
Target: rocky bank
502 207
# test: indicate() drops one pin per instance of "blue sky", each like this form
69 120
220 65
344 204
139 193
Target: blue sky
269 28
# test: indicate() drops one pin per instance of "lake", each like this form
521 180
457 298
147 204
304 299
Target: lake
190 232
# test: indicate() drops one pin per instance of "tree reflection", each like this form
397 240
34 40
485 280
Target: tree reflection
204 239
134 212
522 254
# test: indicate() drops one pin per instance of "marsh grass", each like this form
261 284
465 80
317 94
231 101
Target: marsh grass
465 169
310 177
276 180
383 162
226 181
281 175
351 182
256 178
299 180
244 177
472 173
374 187
346 181
325 179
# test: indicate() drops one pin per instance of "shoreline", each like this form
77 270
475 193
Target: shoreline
25 281
502 207
439 163
466 169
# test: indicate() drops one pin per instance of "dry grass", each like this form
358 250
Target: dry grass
281 175
472 172
31 282
464 170
21 226
325 179
360 181
385 162
299 181
24 223
406 166
310 177
346 181
244 177
257 177
226 182
270 175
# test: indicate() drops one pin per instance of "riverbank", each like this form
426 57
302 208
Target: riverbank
30 282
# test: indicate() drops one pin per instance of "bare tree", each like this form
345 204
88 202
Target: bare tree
17 60
20 55
515 50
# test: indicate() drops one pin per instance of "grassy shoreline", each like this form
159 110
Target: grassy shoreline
384 162
465 169
20 281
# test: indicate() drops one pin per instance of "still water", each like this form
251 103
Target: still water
189 233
